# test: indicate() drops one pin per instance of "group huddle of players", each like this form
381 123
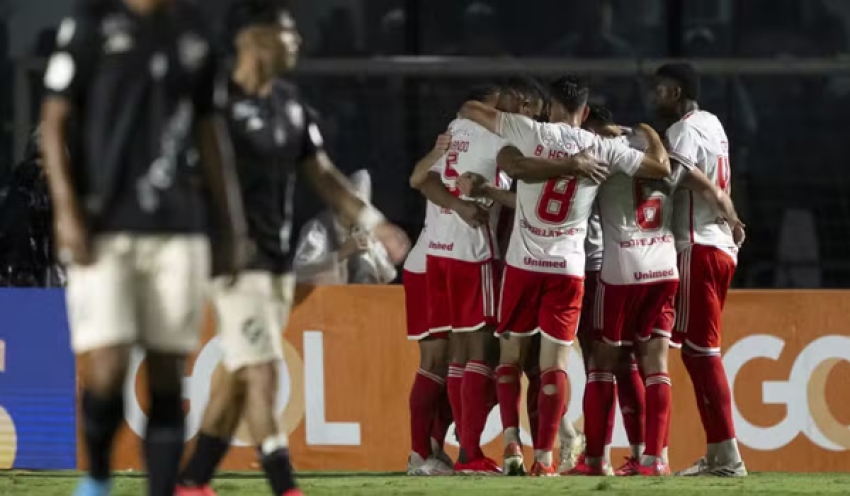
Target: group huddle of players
622 239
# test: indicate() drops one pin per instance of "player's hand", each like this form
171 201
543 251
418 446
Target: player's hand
473 214
394 240
472 184
443 142
72 239
585 166
357 243
739 234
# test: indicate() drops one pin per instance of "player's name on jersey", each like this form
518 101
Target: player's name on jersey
655 274
550 233
655 240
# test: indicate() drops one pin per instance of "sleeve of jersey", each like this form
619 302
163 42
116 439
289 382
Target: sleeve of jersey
517 130
312 142
617 155
682 146
70 68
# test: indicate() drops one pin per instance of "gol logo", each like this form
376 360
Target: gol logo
803 394
301 394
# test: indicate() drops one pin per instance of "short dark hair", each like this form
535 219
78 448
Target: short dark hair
481 92
244 13
598 115
685 75
570 91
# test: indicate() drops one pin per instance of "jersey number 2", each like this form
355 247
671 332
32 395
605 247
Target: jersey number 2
555 200
647 208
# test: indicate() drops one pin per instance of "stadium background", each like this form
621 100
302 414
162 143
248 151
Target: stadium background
387 75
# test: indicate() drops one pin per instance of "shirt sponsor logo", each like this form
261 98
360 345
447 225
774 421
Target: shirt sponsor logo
550 233
657 240
655 274
548 264
441 246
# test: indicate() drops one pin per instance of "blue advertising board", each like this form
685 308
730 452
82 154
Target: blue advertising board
37 382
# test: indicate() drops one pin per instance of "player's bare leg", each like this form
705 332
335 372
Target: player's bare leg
479 397
103 411
723 457
652 357
552 407
512 354
164 434
599 398
427 456
220 421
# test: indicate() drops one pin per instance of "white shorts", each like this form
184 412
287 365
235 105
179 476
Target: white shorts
251 316
144 290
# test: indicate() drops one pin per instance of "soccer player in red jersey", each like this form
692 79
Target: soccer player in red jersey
430 414
708 247
543 282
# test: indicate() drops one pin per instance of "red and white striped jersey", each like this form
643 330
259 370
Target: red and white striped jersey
473 149
550 225
416 258
699 140
637 230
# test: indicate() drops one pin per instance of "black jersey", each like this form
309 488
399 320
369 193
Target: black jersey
138 85
271 136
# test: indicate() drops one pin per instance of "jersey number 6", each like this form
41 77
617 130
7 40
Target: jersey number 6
555 200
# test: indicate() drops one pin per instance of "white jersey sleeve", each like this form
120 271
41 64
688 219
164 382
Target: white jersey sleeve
519 131
617 155
682 145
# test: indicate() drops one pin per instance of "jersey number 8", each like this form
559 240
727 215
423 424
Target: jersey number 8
555 200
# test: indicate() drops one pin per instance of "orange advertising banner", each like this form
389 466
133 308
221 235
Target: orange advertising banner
345 385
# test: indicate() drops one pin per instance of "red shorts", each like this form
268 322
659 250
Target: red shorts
586 331
461 295
629 312
416 306
706 273
534 302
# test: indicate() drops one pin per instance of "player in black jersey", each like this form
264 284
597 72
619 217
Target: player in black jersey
131 208
275 138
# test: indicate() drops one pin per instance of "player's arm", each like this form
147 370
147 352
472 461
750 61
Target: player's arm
338 193
435 191
696 181
539 169
656 161
424 165
482 114
476 186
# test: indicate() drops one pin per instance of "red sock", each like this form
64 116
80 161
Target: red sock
424 395
612 418
718 396
550 406
442 418
454 386
598 402
478 397
508 392
658 405
693 367
632 396
531 402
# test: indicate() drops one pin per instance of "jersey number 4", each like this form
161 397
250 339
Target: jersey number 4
555 200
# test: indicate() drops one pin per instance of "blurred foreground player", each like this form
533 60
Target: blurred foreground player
274 134
708 249
130 211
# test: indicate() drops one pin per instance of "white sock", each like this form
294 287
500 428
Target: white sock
274 443
544 457
511 435
607 456
665 454
726 452
648 461
566 429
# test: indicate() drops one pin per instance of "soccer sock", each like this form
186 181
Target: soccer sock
692 365
478 396
721 428
612 417
164 443
598 402
658 405
209 452
553 393
454 386
632 396
531 400
101 419
508 392
424 397
442 420
274 457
